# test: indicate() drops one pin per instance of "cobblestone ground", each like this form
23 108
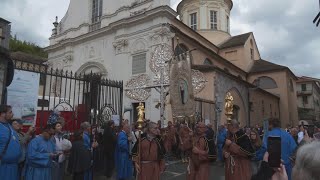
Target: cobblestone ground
176 170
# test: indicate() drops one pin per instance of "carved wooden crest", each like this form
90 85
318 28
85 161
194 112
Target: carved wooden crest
181 89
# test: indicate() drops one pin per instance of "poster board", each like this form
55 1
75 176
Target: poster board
23 96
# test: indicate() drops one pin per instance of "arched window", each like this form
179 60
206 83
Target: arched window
207 62
180 49
265 82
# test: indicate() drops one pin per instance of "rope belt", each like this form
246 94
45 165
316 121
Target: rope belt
232 164
147 162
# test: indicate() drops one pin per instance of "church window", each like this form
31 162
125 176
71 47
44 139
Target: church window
214 20
139 63
265 82
228 24
96 10
252 53
193 21
207 62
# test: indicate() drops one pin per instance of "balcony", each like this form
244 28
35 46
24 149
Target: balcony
304 93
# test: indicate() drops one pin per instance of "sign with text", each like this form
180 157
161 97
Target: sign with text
23 96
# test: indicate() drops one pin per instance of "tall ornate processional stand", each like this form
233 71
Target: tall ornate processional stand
139 87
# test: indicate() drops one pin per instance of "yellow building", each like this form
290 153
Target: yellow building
261 89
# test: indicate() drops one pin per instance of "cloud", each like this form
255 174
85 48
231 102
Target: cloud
31 20
283 29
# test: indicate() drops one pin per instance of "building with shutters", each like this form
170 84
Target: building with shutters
117 38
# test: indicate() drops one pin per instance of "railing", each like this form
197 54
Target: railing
95 26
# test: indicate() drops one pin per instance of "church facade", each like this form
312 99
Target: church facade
118 39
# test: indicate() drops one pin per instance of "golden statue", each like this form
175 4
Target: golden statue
228 106
140 110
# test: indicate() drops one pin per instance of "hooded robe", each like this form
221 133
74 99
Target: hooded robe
79 160
39 163
123 161
238 164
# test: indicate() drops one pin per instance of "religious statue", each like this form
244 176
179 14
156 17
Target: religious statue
140 110
183 91
228 106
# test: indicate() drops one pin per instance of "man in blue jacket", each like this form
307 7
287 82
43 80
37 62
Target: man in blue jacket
222 135
10 149
288 145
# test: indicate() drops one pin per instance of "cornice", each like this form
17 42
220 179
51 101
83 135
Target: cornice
125 8
156 12
69 30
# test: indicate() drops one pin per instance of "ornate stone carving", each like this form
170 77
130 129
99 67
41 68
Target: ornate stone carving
68 58
138 45
161 35
120 45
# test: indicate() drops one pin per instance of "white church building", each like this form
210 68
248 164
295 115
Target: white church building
117 38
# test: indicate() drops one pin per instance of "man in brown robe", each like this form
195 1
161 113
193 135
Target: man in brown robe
185 135
237 152
150 162
170 137
198 168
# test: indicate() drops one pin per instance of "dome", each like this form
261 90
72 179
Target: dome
210 18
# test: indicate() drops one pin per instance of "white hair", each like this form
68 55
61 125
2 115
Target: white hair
235 123
85 125
307 162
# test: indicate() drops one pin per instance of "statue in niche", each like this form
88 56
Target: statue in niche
183 89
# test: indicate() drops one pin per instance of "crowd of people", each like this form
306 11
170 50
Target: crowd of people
120 153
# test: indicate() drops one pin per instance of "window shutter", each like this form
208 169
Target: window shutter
139 63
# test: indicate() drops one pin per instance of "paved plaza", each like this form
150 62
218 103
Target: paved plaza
176 170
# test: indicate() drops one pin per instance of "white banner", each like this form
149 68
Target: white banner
23 96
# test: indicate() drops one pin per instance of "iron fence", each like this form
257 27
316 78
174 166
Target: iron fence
84 97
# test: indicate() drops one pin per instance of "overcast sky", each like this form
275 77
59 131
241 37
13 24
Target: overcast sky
283 29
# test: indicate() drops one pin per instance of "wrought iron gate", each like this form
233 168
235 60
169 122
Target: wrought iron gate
84 97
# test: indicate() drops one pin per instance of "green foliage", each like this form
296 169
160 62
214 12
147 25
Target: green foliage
26 47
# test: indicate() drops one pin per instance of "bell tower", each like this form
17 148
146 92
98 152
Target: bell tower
210 18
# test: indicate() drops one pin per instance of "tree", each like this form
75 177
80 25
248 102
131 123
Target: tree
26 47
